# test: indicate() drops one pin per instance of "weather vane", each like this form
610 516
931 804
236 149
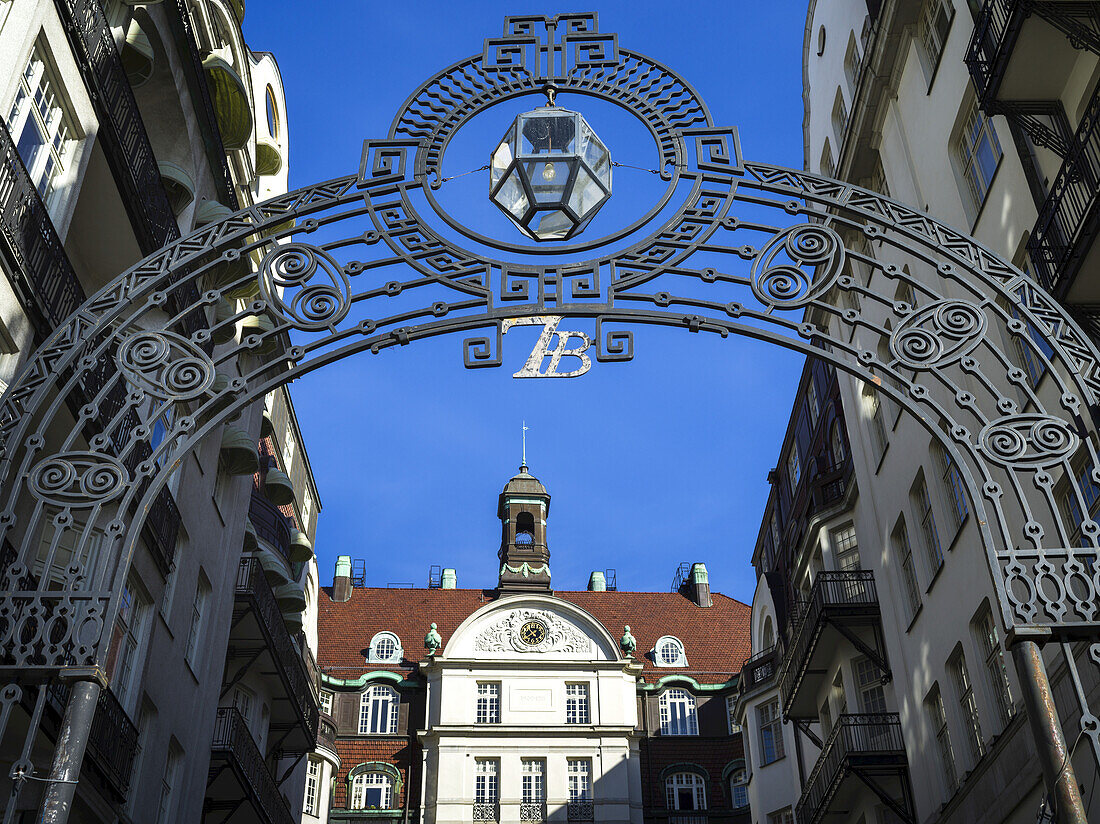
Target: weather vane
524 436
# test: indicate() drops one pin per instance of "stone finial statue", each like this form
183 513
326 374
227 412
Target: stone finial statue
432 641
628 643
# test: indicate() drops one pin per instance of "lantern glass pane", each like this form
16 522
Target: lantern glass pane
512 197
501 158
595 155
548 179
543 134
587 194
552 225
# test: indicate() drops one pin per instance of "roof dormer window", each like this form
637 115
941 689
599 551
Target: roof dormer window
385 648
669 652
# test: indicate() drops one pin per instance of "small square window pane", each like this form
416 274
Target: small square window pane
553 225
512 196
587 194
548 133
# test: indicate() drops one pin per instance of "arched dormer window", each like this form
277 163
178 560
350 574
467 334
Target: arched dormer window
525 528
685 791
767 637
385 648
373 786
378 709
737 778
669 652
678 713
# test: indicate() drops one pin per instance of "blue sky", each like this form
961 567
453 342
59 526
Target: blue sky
650 463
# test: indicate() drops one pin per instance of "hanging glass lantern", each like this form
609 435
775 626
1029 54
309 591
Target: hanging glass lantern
550 174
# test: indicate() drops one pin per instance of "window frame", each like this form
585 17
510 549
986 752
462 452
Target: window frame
371 702
968 703
379 638
361 781
685 780
922 504
686 722
311 796
659 650
974 131
578 706
770 722
487 704
937 719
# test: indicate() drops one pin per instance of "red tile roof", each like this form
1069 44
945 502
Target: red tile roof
716 638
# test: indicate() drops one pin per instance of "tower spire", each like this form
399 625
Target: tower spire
523 463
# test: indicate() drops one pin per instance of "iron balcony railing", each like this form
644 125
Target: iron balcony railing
112 740
991 43
579 811
1069 218
486 811
270 523
823 486
694 818
760 670
855 741
43 276
310 662
534 811
253 587
848 592
326 732
233 742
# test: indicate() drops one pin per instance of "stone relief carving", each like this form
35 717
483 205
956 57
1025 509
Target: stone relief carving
504 635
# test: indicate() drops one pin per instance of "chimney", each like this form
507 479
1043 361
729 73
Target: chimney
341 582
450 579
597 582
699 588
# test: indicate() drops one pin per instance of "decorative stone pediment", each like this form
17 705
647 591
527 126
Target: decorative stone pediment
532 630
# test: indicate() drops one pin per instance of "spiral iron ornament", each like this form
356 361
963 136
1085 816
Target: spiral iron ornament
938 335
318 287
78 479
165 365
1028 441
777 277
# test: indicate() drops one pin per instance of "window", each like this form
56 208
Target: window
978 153
242 701
685 791
968 706
488 703
371 791
486 782
872 698
385 648
272 110
576 704
144 725
771 732
873 411
794 467
288 447
326 702
1089 498
923 506
40 124
784 816
678 713
378 708
845 548
198 619
313 779
828 167
731 715
534 783
739 793
935 23
168 785
840 120
170 580
877 181
990 646
953 487
162 426
669 652
933 705
127 649
836 444
904 551
812 402
1033 351
578 773
851 66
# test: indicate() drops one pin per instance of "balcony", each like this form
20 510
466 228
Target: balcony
112 741
486 811
260 638
822 488
579 811
863 753
760 670
326 732
238 773
1062 242
532 811
844 603
270 523
1011 37
41 272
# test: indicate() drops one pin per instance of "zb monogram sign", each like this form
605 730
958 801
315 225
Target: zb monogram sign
542 350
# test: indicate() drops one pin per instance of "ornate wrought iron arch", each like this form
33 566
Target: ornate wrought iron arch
918 310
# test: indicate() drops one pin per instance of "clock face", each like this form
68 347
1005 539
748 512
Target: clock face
532 633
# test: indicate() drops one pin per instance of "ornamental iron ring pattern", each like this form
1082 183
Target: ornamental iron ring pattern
915 308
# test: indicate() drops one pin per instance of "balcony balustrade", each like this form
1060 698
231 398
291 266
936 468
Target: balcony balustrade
694 818
253 594
579 811
326 732
533 811
841 599
112 740
233 748
271 524
760 670
486 811
869 744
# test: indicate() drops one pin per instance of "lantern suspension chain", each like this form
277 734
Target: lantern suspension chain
463 174
644 169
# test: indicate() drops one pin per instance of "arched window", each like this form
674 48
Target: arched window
767 637
525 528
371 791
739 791
836 444
685 791
669 652
385 648
678 713
378 711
